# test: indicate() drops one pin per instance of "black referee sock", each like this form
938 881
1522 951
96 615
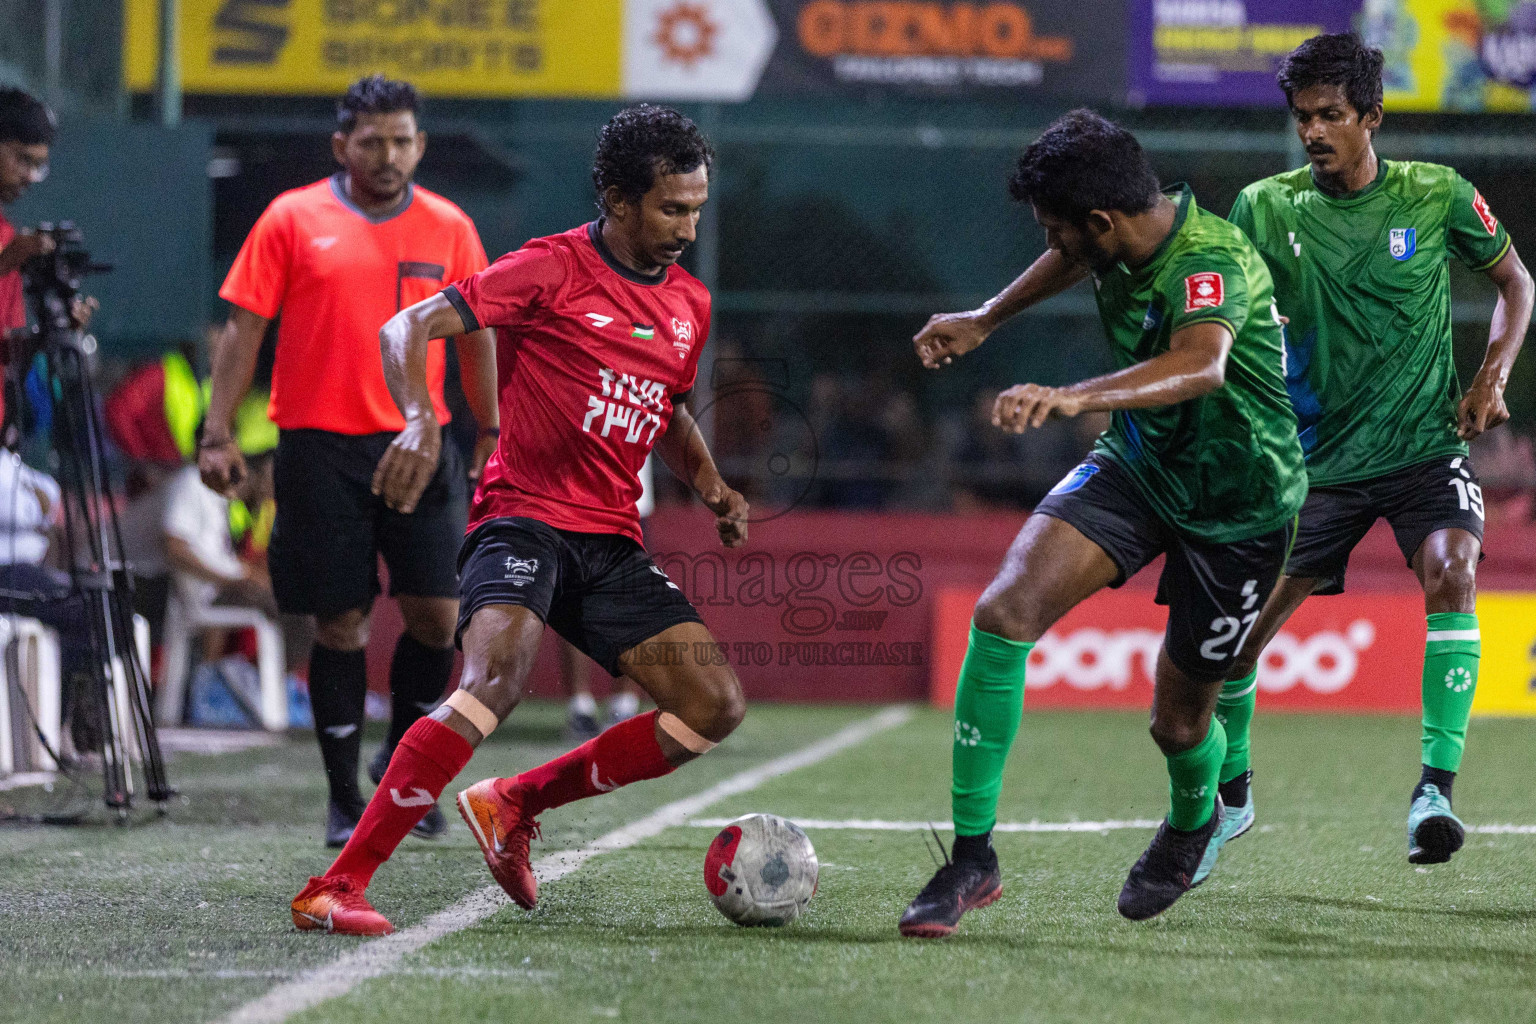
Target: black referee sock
338 684
418 675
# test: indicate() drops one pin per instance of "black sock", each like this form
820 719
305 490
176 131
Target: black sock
1435 777
973 848
1234 792
418 675
338 684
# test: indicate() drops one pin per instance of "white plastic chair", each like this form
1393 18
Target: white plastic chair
185 620
37 670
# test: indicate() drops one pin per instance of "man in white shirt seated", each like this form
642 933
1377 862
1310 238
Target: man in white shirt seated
198 549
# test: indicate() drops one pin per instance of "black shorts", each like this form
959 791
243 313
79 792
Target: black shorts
1417 501
600 591
331 529
1214 591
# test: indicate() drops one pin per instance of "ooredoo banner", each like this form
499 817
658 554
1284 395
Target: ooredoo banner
1352 652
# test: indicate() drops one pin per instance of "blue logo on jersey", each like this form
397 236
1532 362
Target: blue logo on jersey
1401 243
1153 319
1075 479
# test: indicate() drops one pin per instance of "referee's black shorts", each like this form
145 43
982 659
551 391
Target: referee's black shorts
331 529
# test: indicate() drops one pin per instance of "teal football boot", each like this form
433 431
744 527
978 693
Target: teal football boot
1434 832
1234 822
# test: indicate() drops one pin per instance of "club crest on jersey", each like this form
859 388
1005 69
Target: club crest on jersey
1401 243
1480 206
682 330
1202 291
1152 320
520 570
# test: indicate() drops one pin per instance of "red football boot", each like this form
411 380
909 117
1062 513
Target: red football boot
337 905
503 832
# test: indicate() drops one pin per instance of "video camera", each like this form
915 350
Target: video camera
52 280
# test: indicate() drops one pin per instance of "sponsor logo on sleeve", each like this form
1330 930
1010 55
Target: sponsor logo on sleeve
1480 205
1202 291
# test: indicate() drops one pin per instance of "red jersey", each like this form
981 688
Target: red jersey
13 313
336 274
590 358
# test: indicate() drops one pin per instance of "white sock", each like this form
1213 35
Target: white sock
582 704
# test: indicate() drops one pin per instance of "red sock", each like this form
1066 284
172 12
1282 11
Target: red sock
429 755
628 752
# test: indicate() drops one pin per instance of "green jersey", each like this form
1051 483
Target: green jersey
1364 281
1225 466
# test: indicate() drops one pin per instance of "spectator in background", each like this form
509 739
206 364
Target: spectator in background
199 551
31 505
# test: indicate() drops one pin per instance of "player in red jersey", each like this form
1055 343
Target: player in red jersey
337 259
598 342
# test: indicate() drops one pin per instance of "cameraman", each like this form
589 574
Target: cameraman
26 131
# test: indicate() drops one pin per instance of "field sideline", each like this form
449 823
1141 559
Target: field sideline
1317 915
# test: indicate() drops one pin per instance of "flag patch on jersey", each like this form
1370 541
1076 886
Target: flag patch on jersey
1483 213
1401 243
645 332
1202 291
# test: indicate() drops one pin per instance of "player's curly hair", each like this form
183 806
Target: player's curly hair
374 95
1084 162
1342 59
639 143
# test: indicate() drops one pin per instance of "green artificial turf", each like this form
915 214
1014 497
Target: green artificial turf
1316 915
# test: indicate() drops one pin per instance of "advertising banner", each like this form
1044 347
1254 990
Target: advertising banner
1455 55
660 49
1353 652
944 47
664 49
1221 52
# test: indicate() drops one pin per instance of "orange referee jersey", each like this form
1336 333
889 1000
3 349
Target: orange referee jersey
336 274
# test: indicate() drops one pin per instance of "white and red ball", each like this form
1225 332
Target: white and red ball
761 870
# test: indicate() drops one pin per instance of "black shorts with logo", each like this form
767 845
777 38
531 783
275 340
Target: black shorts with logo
331 528
600 591
1417 501
1214 591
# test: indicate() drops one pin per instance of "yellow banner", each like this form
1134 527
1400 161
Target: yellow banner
1457 55
1506 679
461 48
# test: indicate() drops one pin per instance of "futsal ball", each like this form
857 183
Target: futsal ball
761 870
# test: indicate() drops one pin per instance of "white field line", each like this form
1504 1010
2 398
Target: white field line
880 825
383 956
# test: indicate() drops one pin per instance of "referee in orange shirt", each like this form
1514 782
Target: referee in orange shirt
338 258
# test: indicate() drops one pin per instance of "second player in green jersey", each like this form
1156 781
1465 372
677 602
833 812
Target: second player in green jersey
1358 248
1201 465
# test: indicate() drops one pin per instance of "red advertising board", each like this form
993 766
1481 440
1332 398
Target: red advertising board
1353 652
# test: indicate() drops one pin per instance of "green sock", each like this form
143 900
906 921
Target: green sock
1451 654
1192 780
989 699
1234 710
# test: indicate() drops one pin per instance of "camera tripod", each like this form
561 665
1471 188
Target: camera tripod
118 677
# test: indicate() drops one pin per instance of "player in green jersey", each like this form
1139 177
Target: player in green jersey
1201 464
1358 247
